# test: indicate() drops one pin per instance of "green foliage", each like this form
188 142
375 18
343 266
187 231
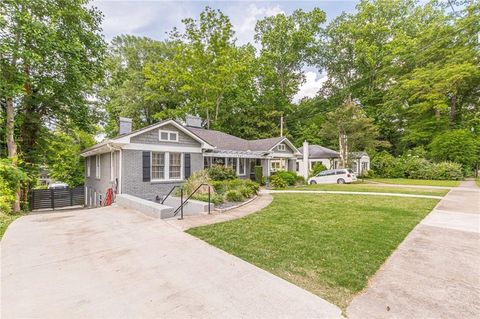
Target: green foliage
458 146
414 167
317 168
63 160
289 177
259 175
11 179
276 181
234 196
222 190
221 173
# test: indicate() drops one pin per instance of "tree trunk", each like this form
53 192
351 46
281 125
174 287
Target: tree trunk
342 141
11 146
453 110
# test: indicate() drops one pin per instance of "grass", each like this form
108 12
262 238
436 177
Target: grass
365 187
477 180
5 221
328 244
406 181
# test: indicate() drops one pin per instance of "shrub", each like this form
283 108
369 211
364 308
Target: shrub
259 175
214 198
234 196
194 181
221 173
11 179
288 177
317 168
459 146
446 171
384 165
276 181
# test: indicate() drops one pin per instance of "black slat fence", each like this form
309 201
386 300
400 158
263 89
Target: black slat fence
56 198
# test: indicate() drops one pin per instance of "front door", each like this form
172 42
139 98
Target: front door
254 162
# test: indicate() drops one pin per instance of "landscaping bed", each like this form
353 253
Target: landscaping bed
328 244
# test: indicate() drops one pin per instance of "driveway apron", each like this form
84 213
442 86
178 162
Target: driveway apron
435 272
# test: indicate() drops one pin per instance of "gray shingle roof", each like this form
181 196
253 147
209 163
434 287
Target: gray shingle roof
317 151
224 141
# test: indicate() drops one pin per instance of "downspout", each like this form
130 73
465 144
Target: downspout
119 186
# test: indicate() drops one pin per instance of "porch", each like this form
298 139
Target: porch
244 163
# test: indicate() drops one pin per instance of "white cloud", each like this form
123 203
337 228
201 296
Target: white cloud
313 83
244 23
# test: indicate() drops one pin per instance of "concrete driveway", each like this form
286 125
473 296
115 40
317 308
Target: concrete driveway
115 263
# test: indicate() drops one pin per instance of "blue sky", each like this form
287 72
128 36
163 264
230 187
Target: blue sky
155 19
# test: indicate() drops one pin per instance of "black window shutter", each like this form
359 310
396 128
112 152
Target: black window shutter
188 167
146 166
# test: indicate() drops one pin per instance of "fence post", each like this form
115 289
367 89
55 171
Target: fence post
71 196
52 198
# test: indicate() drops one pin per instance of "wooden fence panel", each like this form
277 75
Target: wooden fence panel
56 198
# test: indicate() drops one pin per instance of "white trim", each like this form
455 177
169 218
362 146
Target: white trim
162 148
287 141
120 172
112 166
126 139
98 165
168 136
89 166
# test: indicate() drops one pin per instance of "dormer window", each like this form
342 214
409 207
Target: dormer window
168 136
281 147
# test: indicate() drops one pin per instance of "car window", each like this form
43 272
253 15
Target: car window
350 171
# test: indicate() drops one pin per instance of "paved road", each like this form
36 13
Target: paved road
435 272
114 263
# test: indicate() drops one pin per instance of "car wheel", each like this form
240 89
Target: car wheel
340 181
312 182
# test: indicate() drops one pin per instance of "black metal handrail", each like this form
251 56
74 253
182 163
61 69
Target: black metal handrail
170 192
182 202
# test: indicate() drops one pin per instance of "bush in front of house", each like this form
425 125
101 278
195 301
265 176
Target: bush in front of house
221 173
287 178
235 190
259 175
446 171
277 181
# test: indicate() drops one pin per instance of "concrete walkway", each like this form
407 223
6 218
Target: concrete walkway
115 263
435 272
263 200
354 193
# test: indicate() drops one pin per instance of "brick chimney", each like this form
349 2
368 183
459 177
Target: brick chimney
125 125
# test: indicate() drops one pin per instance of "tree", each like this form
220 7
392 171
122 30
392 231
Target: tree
288 44
459 146
63 160
51 57
204 68
125 92
351 127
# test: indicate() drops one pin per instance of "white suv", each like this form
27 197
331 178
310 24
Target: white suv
331 176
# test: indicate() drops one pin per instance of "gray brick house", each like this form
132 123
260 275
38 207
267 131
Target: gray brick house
148 162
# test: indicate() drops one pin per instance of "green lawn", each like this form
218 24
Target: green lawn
328 244
406 181
5 220
364 187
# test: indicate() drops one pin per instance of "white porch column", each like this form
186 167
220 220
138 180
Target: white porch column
306 169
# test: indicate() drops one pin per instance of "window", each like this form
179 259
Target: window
242 166
232 162
281 147
158 166
88 166
97 166
207 162
168 136
175 166
364 166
